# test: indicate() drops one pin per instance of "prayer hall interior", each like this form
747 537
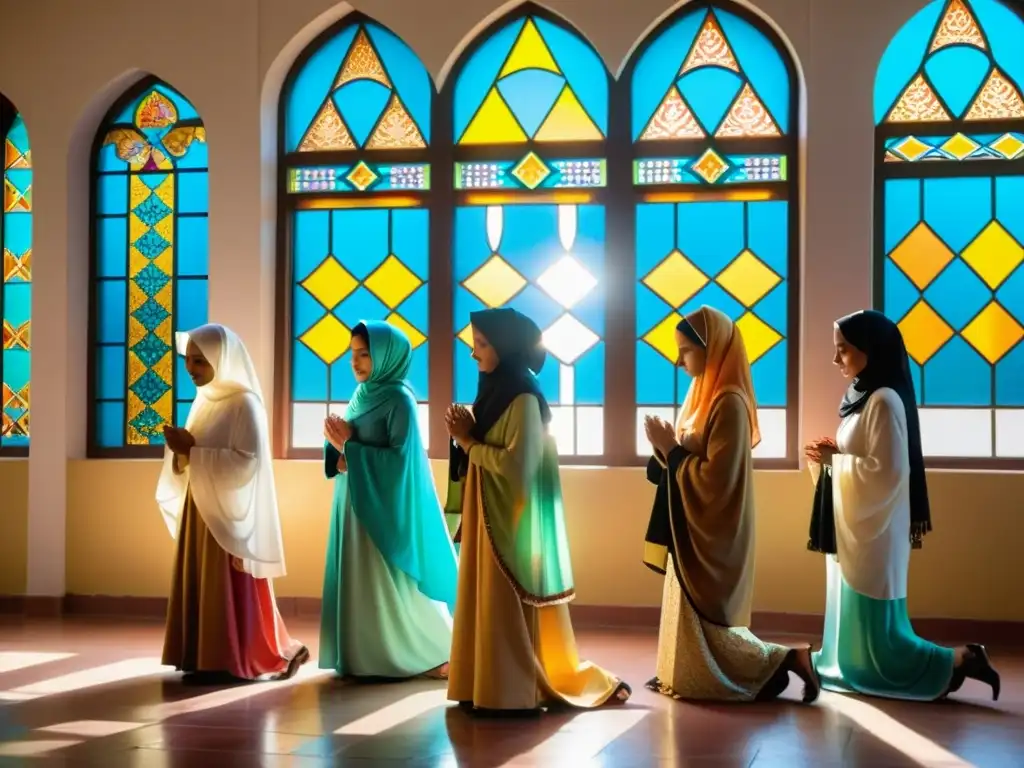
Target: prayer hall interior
291 169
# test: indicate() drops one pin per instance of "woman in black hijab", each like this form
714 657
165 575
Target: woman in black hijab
871 509
513 648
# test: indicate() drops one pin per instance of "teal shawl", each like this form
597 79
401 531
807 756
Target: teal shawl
388 482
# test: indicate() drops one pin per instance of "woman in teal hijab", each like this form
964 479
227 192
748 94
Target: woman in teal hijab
390 582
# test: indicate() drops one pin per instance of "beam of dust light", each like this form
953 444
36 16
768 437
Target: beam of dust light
33 748
921 750
400 712
590 732
13 660
87 678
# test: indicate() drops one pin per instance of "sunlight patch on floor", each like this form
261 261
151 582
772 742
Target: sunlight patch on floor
87 678
14 660
395 714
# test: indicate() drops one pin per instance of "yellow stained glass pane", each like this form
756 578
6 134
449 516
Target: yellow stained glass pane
710 166
415 337
568 121
999 99
362 63
13 157
993 332
155 111
672 120
711 49
529 52
392 282
758 336
180 139
924 332
466 336
495 282
328 339
17 267
532 171
330 283
993 254
663 337
327 132
494 123
675 279
958 27
396 129
922 255
748 279
912 148
1008 145
918 104
17 338
164 368
361 176
747 117
960 146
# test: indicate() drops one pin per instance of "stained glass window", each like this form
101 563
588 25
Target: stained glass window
712 110
150 264
16 286
950 244
356 116
529 121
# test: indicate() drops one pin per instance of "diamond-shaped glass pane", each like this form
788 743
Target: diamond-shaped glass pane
393 282
495 282
1008 145
531 171
912 148
567 338
415 337
748 279
567 281
710 166
330 283
758 337
993 254
993 332
663 337
959 146
361 176
675 280
328 339
924 332
922 256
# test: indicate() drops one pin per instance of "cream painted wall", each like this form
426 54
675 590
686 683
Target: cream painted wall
91 527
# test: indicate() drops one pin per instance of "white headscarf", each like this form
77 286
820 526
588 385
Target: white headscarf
230 471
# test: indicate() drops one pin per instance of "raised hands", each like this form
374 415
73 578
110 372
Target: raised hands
179 440
661 434
337 431
821 451
460 422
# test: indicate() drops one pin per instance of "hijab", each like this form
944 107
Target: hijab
391 353
888 365
518 342
233 370
726 370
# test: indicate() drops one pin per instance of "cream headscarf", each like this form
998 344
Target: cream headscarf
727 370
230 471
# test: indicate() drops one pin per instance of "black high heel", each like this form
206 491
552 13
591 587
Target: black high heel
979 667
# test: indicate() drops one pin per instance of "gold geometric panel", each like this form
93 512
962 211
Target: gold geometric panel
710 166
912 148
17 267
993 254
19 337
748 279
959 146
958 27
466 336
531 171
362 63
710 50
415 337
328 339
918 104
327 132
998 100
396 129
758 336
392 282
1008 145
672 120
495 282
529 52
330 283
924 332
675 279
747 117
993 332
361 176
922 255
663 337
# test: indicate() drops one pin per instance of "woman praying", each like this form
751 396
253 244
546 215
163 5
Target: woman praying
216 493
513 649
389 585
701 532
879 512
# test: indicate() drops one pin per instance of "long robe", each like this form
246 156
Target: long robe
510 650
705 650
869 645
389 586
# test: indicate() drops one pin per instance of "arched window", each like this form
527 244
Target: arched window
16 286
526 111
149 266
713 120
949 185
354 228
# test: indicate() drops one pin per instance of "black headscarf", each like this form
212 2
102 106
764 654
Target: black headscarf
888 365
521 355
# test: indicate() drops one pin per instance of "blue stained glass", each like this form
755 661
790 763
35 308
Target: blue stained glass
467 375
762 63
710 92
654 376
112 300
530 94
112 196
181 412
768 233
957 209
650 309
311 241
530 237
312 84
361 305
17 232
185 109
112 247
1011 295
110 426
186 389
477 76
464 305
958 376
408 75
774 308
360 239
589 376
198 156
713 295
193 245
471 246
342 380
769 375
536 304
1009 375
588 247
710 233
915 374
17 303
902 58
658 67
107 159
305 311
361 103
590 309
900 294
193 192
419 372
416 309
957 73
655 234
548 379
191 304
958 294
309 375
410 239
1004 30
582 67
902 210
110 373
1010 206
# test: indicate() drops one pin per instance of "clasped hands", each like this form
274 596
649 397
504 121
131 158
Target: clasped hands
663 439
460 423
179 440
337 431
821 451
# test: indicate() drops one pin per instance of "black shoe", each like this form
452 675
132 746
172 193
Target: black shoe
977 666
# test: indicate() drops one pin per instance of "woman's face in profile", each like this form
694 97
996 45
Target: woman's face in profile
848 359
198 367
692 357
485 355
362 363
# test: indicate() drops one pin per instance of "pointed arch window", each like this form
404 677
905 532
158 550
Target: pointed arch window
354 223
526 113
713 123
949 237
149 266
16 285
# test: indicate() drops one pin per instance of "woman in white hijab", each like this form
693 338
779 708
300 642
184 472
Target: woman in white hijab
217 496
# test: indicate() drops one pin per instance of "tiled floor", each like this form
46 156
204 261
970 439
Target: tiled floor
91 692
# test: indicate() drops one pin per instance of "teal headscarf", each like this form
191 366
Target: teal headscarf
391 354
